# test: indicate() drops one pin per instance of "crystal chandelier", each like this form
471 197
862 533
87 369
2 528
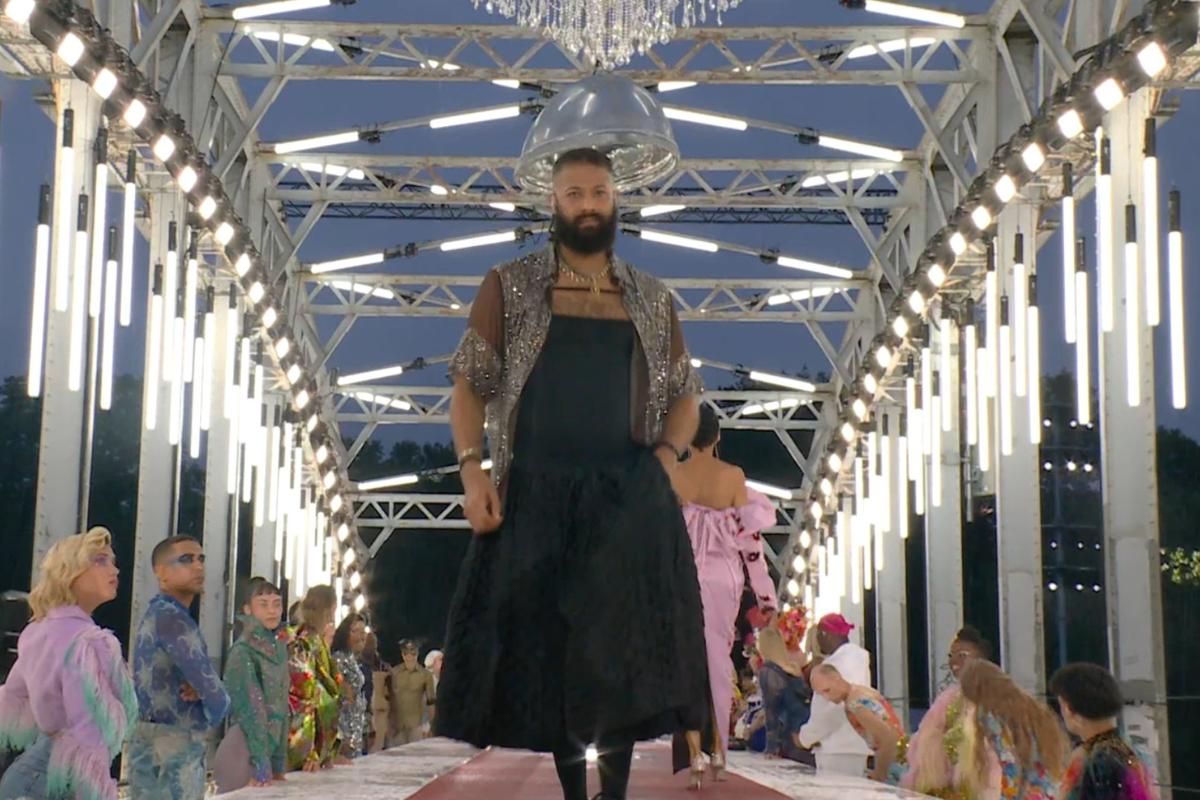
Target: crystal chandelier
608 32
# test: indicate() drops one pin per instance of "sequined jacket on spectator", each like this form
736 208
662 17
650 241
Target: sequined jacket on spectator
507 329
257 678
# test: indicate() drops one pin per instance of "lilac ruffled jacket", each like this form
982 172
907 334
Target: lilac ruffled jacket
70 684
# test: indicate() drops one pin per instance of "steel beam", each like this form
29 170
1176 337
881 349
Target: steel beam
61 502
1133 585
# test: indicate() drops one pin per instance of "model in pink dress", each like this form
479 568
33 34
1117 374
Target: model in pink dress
725 521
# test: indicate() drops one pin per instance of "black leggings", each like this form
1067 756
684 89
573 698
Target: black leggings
616 756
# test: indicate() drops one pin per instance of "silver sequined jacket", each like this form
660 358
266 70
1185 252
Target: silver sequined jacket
507 329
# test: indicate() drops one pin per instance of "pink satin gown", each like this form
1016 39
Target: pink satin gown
722 541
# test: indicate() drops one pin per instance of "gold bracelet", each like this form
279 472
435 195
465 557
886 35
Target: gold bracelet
469 454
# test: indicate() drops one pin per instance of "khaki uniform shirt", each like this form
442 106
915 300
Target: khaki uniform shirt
412 691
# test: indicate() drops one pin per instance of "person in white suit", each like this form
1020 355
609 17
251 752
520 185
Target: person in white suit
839 749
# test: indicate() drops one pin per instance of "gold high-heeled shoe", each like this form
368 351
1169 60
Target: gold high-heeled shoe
717 763
696 780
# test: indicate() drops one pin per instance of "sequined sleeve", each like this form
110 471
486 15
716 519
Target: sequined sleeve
683 378
249 708
479 357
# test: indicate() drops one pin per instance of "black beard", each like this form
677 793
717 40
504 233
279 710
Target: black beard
600 239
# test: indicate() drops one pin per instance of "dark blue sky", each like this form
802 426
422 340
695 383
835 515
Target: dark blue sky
875 114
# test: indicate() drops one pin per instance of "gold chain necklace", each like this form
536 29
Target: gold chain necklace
584 278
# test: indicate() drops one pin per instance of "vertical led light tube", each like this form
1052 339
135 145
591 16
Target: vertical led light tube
946 350
271 464
79 299
210 358
63 216
285 457
874 510
127 232
1068 251
100 188
249 417
108 323
991 301
154 348
1017 305
1150 222
884 497
1175 288
967 357
179 335
1133 338
190 285
1005 385
1083 366
1106 297
929 417
232 325
984 451
912 420
171 365
41 299
196 345
260 471
901 488
916 438
234 391
1034 363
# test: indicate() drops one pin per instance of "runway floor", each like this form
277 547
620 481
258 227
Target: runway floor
438 769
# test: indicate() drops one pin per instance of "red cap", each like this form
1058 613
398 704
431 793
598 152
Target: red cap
835 624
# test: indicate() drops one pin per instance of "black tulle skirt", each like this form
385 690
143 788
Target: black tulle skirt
580 617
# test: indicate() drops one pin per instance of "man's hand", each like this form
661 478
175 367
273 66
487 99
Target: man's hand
482 505
187 694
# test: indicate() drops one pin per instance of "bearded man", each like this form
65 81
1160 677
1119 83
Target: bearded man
577 616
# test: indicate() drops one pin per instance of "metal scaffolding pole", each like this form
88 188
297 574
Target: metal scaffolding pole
891 584
1133 588
61 506
220 512
943 537
1018 499
158 462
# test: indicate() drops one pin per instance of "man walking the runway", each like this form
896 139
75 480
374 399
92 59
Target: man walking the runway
577 615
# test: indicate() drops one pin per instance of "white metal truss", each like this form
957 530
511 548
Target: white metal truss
783 55
357 179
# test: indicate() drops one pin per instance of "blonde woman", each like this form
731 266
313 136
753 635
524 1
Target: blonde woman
1014 747
69 699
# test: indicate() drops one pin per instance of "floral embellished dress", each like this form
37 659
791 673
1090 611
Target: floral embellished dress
865 700
352 718
314 698
935 754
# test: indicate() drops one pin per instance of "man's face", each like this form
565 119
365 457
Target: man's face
410 658
585 210
827 642
182 571
267 609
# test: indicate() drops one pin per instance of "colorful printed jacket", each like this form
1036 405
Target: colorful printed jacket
257 678
314 698
71 684
169 652
1106 767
